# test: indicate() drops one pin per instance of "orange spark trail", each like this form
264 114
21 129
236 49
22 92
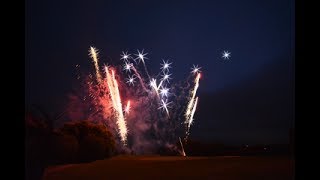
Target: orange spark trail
116 102
94 55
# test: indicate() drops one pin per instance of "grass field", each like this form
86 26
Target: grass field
177 167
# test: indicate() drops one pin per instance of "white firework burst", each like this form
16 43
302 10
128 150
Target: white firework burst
195 69
165 66
164 91
226 55
125 56
140 56
131 80
127 67
164 105
166 77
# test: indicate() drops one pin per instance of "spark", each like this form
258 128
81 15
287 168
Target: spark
127 66
166 77
125 56
164 106
165 66
226 55
127 108
93 52
164 92
195 69
141 56
131 80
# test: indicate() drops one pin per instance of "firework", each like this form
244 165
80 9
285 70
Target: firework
140 79
127 67
127 108
190 104
164 105
195 69
164 92
131 80
166 77
125 56
94 55
161 94
116 102
226 55
192 114
183 153
141 57
153 84
165 66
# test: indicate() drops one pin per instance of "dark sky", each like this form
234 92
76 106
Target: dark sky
247 99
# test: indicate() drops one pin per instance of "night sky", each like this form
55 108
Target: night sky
246 99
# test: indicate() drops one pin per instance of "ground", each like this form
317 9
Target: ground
177 167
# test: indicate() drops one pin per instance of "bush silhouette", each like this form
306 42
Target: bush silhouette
37 136
94 140
74 142
64 148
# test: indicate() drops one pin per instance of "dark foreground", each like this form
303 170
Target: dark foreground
176 167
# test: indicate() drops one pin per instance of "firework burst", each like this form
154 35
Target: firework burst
226 55
131 80
155 104
165 66
125 56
